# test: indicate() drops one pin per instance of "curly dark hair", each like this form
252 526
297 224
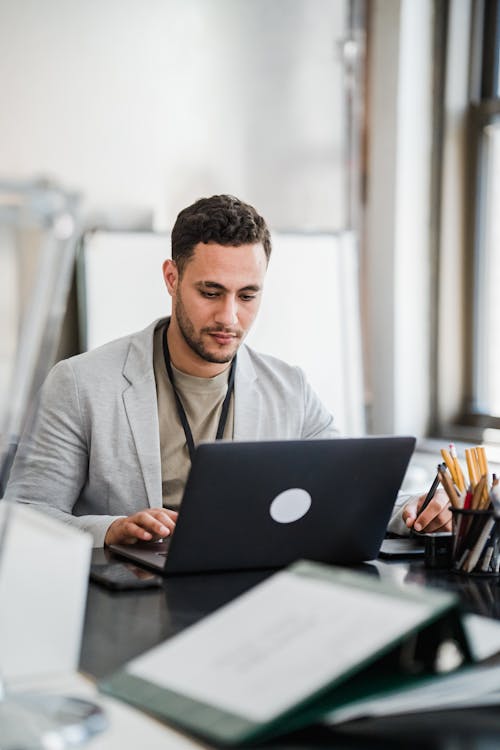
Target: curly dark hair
222 219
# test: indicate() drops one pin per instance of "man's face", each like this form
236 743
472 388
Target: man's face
215 301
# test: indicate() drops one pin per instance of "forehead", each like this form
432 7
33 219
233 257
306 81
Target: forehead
221 263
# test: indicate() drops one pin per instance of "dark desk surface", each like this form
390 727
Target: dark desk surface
119 626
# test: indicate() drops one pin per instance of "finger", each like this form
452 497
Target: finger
142 527
166 519
435 515
152 519
155 527
409 513
132 531
438 507
409 521
126 531
162 517
437 522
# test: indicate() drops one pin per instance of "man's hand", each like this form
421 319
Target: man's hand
146 526
436 517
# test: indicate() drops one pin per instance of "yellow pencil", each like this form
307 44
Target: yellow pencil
449 488
471 467
475 458
483 465
478 494
458 469
482 460
450 464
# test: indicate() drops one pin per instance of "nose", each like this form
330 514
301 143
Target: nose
227 312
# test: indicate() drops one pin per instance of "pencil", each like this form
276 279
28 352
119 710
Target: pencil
450 464
449 488
485 501
483 465
478 492
483 461
458 469
471 466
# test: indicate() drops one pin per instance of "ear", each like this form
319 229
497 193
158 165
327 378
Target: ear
171 276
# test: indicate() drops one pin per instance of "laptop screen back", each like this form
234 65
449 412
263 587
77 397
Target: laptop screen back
266 504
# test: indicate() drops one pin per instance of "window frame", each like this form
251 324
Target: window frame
484 110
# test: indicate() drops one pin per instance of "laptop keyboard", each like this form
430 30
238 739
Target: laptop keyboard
158 548
164 547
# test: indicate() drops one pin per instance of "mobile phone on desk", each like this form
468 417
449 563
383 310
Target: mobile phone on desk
123 576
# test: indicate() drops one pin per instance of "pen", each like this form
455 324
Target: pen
432 491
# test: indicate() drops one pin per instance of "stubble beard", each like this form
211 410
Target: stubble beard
195 342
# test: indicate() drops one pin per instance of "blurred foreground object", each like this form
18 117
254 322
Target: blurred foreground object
44 569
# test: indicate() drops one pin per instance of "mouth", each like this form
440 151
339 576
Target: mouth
223 338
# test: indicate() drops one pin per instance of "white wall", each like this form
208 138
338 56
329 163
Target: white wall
149 105
145 106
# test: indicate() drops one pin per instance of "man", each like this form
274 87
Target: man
117 426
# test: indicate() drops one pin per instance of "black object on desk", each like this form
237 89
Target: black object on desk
438 548
401 547
120 577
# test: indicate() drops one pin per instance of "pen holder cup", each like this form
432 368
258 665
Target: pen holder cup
476 542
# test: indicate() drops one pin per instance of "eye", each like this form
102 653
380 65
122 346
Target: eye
248 297
209 295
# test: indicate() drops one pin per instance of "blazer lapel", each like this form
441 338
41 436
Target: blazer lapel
139 399
246 399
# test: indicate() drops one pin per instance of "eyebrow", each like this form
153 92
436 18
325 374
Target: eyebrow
222 288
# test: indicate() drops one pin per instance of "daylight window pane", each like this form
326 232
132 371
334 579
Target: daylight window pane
487 333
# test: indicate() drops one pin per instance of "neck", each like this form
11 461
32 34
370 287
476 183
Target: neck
183 358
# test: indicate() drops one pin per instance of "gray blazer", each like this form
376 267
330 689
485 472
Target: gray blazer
94 454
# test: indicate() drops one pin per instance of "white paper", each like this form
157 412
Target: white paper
277 644
477 686
473 686
44 567
483 635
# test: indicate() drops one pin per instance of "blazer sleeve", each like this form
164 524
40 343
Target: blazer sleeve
396 524
51 464
318 422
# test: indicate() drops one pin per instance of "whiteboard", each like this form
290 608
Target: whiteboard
309 314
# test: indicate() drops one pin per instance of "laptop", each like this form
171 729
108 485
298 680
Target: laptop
251 505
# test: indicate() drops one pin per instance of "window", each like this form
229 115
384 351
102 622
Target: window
484 291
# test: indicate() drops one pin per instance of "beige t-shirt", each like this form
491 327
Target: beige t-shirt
202 399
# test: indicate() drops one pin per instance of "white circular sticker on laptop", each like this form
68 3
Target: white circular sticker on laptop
290 505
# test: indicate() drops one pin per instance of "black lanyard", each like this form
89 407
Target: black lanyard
180 408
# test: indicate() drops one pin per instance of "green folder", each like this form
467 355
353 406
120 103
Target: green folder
305 641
